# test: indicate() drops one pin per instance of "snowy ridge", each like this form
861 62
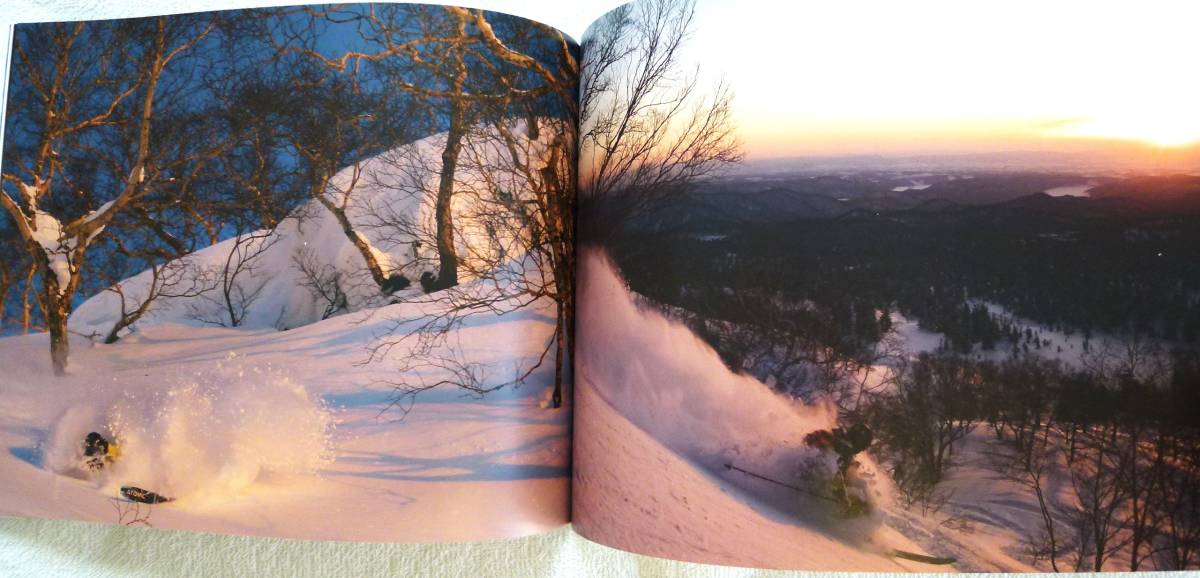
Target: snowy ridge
391 206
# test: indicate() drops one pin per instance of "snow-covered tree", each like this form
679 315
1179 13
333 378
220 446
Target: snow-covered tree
77 87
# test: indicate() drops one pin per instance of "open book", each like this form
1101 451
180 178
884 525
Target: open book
414 273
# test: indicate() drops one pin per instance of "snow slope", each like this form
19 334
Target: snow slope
277 427
391 206
658 417
247 452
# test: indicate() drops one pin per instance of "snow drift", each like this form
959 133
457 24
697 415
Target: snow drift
390 201
199 438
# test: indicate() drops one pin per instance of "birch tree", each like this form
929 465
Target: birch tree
420 51
74 83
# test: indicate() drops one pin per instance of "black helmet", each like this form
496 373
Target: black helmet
94 444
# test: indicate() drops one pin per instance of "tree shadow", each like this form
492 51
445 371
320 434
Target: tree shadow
479 467
31 455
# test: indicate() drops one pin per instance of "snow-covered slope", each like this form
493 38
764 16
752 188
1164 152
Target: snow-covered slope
658 415
277 427
391 206
657 418
283 434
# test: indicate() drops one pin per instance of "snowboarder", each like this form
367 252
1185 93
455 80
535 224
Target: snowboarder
99 452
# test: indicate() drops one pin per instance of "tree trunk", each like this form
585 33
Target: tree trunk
5 284
339 213
448 258
56 321
559 353
26 302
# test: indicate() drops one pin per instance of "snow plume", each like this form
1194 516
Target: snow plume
208 437
668 382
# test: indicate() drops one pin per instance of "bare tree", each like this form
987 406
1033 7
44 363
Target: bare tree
323 281
475 74
14 267
237 279
933 407
515 255
408 43
1033 468
333 122
82 78
1178 502
176 279
648 131
1101 499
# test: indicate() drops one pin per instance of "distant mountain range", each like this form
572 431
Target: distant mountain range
1121 159
872 194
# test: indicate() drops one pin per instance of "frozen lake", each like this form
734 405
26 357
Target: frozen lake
1083 190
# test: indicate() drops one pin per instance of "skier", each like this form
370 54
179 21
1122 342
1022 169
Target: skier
98 452
849 442
846 486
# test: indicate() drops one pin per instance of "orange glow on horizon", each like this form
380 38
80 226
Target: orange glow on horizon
923 77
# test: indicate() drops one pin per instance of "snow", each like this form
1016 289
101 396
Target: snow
913 186
100 211
288 436
201 441
911 337
391 208
658 417
48 233
1070 191
278 427
986 521
632 492
383 259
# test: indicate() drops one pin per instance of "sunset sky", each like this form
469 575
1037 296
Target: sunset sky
929 76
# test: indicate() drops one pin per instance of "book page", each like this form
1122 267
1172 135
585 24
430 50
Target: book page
290 272
889 288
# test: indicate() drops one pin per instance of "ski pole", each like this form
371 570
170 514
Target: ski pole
779 483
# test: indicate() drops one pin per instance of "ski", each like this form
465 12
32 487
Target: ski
136 494
923 558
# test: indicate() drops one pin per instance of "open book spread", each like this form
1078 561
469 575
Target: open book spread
774 287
